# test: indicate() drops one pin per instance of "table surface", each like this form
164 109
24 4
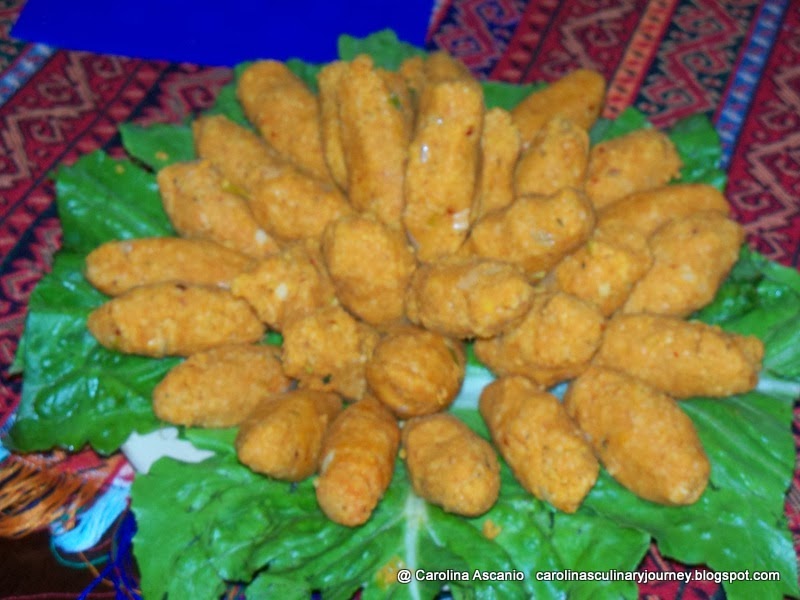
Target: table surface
736 61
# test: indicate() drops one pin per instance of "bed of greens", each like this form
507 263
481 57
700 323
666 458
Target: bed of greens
203 526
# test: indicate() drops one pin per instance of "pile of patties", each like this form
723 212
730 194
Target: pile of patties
385 221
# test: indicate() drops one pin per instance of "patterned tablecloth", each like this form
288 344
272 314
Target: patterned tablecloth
738 61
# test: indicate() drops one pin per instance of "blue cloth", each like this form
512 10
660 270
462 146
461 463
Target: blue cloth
219 33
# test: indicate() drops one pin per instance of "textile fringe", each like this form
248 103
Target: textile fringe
32 499
91 524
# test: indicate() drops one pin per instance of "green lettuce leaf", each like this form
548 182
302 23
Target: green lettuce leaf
101 199
238 526
75 391
158 145
738 523
762 298
699 147
386 50
227 104
506 95
306 71
628 120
